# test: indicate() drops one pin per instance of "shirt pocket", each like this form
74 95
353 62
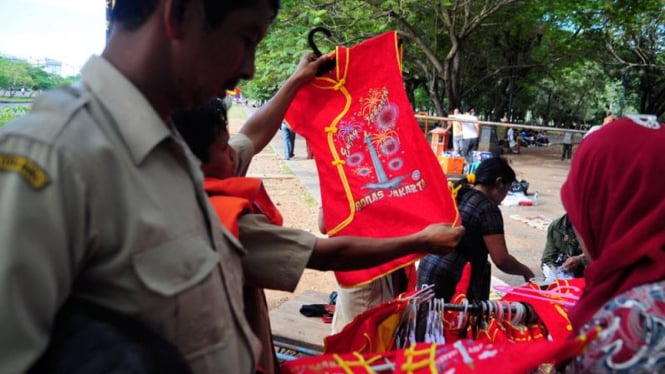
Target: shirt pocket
186 302
173 267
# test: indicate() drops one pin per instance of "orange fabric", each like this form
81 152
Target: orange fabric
228 209
234 196
375 166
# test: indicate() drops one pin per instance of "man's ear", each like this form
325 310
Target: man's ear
174 15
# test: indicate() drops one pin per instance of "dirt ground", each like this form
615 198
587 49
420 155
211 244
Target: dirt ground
540 166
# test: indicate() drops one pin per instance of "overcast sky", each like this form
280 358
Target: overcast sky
65 30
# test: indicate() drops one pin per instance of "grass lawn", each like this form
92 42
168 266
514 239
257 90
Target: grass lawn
237 112
8 99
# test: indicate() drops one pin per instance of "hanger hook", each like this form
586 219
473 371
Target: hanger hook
310 38
328 65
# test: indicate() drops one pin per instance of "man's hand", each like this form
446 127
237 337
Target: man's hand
307 68
440 238
572 263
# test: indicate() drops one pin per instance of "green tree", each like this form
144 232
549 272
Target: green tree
14 75
552 58
18 74
630 47
635 41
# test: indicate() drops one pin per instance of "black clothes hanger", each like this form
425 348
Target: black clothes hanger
328 65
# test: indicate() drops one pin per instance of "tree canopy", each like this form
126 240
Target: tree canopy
560 61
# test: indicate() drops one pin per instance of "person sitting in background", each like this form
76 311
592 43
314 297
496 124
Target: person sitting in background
541 139
562 257
277 256
478 197
618 215
527 138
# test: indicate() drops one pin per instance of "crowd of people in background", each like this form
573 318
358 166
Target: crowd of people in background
513 136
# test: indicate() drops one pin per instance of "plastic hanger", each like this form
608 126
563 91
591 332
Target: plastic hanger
328 65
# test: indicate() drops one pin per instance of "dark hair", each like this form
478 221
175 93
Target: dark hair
133 13
488 171
201 126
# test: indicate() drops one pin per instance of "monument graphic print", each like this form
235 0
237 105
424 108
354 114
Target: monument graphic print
371 147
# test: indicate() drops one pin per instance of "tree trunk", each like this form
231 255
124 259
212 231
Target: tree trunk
451 78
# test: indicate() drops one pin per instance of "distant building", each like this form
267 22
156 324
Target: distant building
49 65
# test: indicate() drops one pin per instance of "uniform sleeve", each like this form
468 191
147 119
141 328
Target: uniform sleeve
276 256
244 149
550 253
41 225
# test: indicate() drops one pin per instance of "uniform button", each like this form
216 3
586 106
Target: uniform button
188 271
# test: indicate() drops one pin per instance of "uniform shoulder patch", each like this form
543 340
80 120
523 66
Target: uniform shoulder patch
32 173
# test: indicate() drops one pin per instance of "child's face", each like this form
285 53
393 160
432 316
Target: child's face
221 158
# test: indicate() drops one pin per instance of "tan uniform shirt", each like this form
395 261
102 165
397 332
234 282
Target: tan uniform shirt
277 255
102 201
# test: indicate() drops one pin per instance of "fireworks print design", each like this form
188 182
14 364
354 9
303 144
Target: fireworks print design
370 144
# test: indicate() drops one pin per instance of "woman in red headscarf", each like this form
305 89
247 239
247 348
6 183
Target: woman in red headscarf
615 199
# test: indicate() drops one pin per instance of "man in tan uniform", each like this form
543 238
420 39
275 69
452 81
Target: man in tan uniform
102 201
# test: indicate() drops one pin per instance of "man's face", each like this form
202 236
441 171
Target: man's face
221 158
211 61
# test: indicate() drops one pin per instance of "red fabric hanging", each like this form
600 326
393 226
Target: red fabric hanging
371 331
546 304
378 175
514 349
464 356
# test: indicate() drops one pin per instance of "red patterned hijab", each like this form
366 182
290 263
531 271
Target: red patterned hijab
615 198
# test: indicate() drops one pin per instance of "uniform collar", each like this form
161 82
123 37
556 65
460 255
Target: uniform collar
139 125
